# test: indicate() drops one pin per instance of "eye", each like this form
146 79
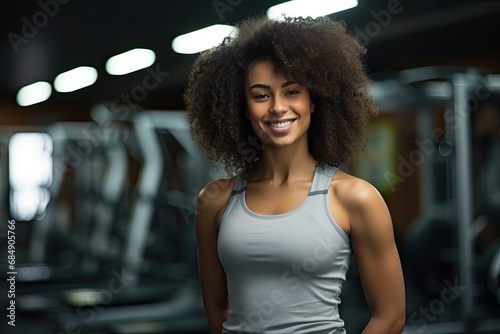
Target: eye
292 92
260 96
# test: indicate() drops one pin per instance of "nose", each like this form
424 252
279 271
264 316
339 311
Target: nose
279 106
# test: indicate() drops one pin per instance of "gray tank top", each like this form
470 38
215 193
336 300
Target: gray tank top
284 272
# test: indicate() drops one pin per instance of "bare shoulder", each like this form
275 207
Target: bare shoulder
213 199
353 192
363 207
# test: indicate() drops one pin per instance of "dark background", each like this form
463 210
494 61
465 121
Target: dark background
449 33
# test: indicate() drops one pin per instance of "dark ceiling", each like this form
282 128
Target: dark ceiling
88 32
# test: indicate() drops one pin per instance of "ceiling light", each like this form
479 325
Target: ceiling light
34 93
313 8
130 61
203 39
75 79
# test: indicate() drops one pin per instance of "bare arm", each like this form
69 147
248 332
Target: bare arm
378 261
211 202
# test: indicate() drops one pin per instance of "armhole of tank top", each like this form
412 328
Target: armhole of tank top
237 181
332 220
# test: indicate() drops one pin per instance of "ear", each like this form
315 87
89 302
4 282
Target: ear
247 115
312 107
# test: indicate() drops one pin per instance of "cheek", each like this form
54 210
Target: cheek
256 111
305 107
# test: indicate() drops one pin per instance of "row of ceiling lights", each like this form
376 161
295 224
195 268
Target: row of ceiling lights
84 76
189 43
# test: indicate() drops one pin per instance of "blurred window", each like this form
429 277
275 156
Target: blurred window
30 175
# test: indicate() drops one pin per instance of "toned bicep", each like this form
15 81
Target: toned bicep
211 272
376 254
210 269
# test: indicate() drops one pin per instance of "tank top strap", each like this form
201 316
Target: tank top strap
321 179
239 186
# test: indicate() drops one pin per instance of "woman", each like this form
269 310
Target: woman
280 107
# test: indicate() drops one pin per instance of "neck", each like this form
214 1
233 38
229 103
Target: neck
281 164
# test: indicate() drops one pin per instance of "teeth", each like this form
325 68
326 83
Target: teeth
281 124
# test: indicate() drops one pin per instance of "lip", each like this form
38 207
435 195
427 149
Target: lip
280 130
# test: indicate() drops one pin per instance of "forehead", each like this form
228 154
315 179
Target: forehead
264 70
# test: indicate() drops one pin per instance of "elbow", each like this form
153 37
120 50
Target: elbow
387 325
399 325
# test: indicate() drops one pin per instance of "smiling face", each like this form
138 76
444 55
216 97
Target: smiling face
278 108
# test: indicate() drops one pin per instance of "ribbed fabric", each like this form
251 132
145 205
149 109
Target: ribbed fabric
284 272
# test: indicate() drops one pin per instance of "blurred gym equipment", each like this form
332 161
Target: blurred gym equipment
447 247
123 255
159 251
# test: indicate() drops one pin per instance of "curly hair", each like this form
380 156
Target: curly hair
318 53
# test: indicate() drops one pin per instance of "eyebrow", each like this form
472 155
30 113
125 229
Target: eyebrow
283 85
